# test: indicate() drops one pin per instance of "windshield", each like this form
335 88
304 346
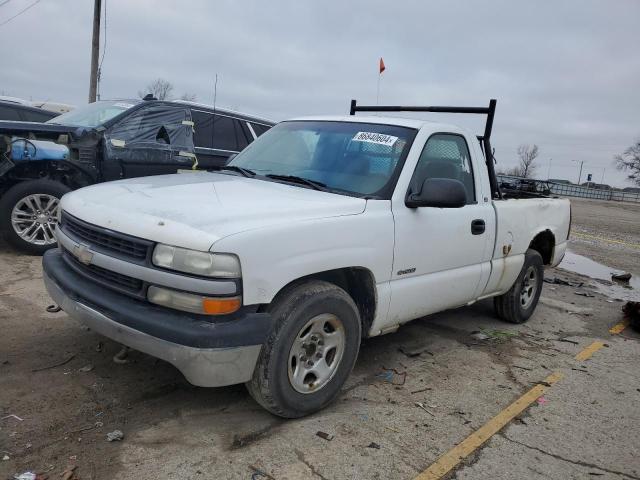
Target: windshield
93 114
357 158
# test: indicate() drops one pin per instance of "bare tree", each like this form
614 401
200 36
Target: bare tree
527 155
189 97
159 88
629 161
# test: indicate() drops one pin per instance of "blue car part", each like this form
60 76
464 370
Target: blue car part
23 149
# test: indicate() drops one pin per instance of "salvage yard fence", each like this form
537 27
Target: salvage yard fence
572 190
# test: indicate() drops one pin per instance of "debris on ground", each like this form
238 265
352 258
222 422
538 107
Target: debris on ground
479 335
69 473
121 356
86 368
561 281
53 308
374 445
115 436
58 364
421 405
28 476
258 473
325 435
621 277
585 294
390 373
13 416
541 400
5 458
413 351
566 340
499 335
99 346
632 313
421 390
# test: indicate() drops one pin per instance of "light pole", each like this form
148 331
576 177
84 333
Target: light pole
580 172
549 171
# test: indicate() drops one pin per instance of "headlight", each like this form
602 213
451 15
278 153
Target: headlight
190 302
199 263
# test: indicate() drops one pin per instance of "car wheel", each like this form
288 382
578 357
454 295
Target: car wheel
310 352
28 214
519 303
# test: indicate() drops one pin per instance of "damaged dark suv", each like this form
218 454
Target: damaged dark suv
104 141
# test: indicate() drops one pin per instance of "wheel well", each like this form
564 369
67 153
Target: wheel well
60 171
544 243
358 282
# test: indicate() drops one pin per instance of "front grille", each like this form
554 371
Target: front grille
107 277
104 240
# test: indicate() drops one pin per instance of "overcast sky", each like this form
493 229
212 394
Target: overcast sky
566 73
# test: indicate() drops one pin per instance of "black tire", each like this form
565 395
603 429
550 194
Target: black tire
12 197
510 306
291 310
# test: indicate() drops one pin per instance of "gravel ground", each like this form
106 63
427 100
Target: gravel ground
607 232
586 427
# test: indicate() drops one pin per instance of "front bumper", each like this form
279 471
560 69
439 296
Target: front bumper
209 354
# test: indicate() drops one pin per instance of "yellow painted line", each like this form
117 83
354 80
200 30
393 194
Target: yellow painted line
604 239
588 351
453 457
619 327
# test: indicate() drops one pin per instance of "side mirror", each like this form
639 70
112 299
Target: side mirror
440 193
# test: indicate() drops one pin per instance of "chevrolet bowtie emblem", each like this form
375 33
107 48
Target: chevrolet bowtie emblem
83 254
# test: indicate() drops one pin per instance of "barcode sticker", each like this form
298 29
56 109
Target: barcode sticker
372 137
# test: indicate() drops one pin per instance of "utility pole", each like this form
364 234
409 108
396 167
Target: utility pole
580 173
95 49
549 171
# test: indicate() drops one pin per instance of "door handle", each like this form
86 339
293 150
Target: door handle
477 226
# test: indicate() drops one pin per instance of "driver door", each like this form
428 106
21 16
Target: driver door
440 253
154 140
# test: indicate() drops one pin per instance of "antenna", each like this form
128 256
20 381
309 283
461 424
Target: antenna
215 93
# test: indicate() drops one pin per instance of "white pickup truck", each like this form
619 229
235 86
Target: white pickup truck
321 232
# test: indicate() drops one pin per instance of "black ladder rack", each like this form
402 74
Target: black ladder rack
485 140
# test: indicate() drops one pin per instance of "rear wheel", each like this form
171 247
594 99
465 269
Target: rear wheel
310 352
28 214
519 303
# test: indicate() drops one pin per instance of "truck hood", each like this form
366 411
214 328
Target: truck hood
194 210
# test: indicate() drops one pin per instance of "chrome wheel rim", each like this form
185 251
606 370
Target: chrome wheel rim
34 218
316 353
529 287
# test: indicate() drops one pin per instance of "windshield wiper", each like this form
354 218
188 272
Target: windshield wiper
241 170
301 180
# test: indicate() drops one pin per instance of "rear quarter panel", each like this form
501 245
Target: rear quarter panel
518 221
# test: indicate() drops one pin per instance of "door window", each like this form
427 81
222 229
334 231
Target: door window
203 126
155 125
259 129
8 113
241 135
445 155
227 134
31 116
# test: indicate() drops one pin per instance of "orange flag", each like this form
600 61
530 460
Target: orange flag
382 67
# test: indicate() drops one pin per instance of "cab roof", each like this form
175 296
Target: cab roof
396 121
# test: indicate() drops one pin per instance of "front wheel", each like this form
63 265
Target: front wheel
519 303
310 352
28 214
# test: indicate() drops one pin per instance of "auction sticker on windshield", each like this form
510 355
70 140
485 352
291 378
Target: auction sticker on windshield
372 137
